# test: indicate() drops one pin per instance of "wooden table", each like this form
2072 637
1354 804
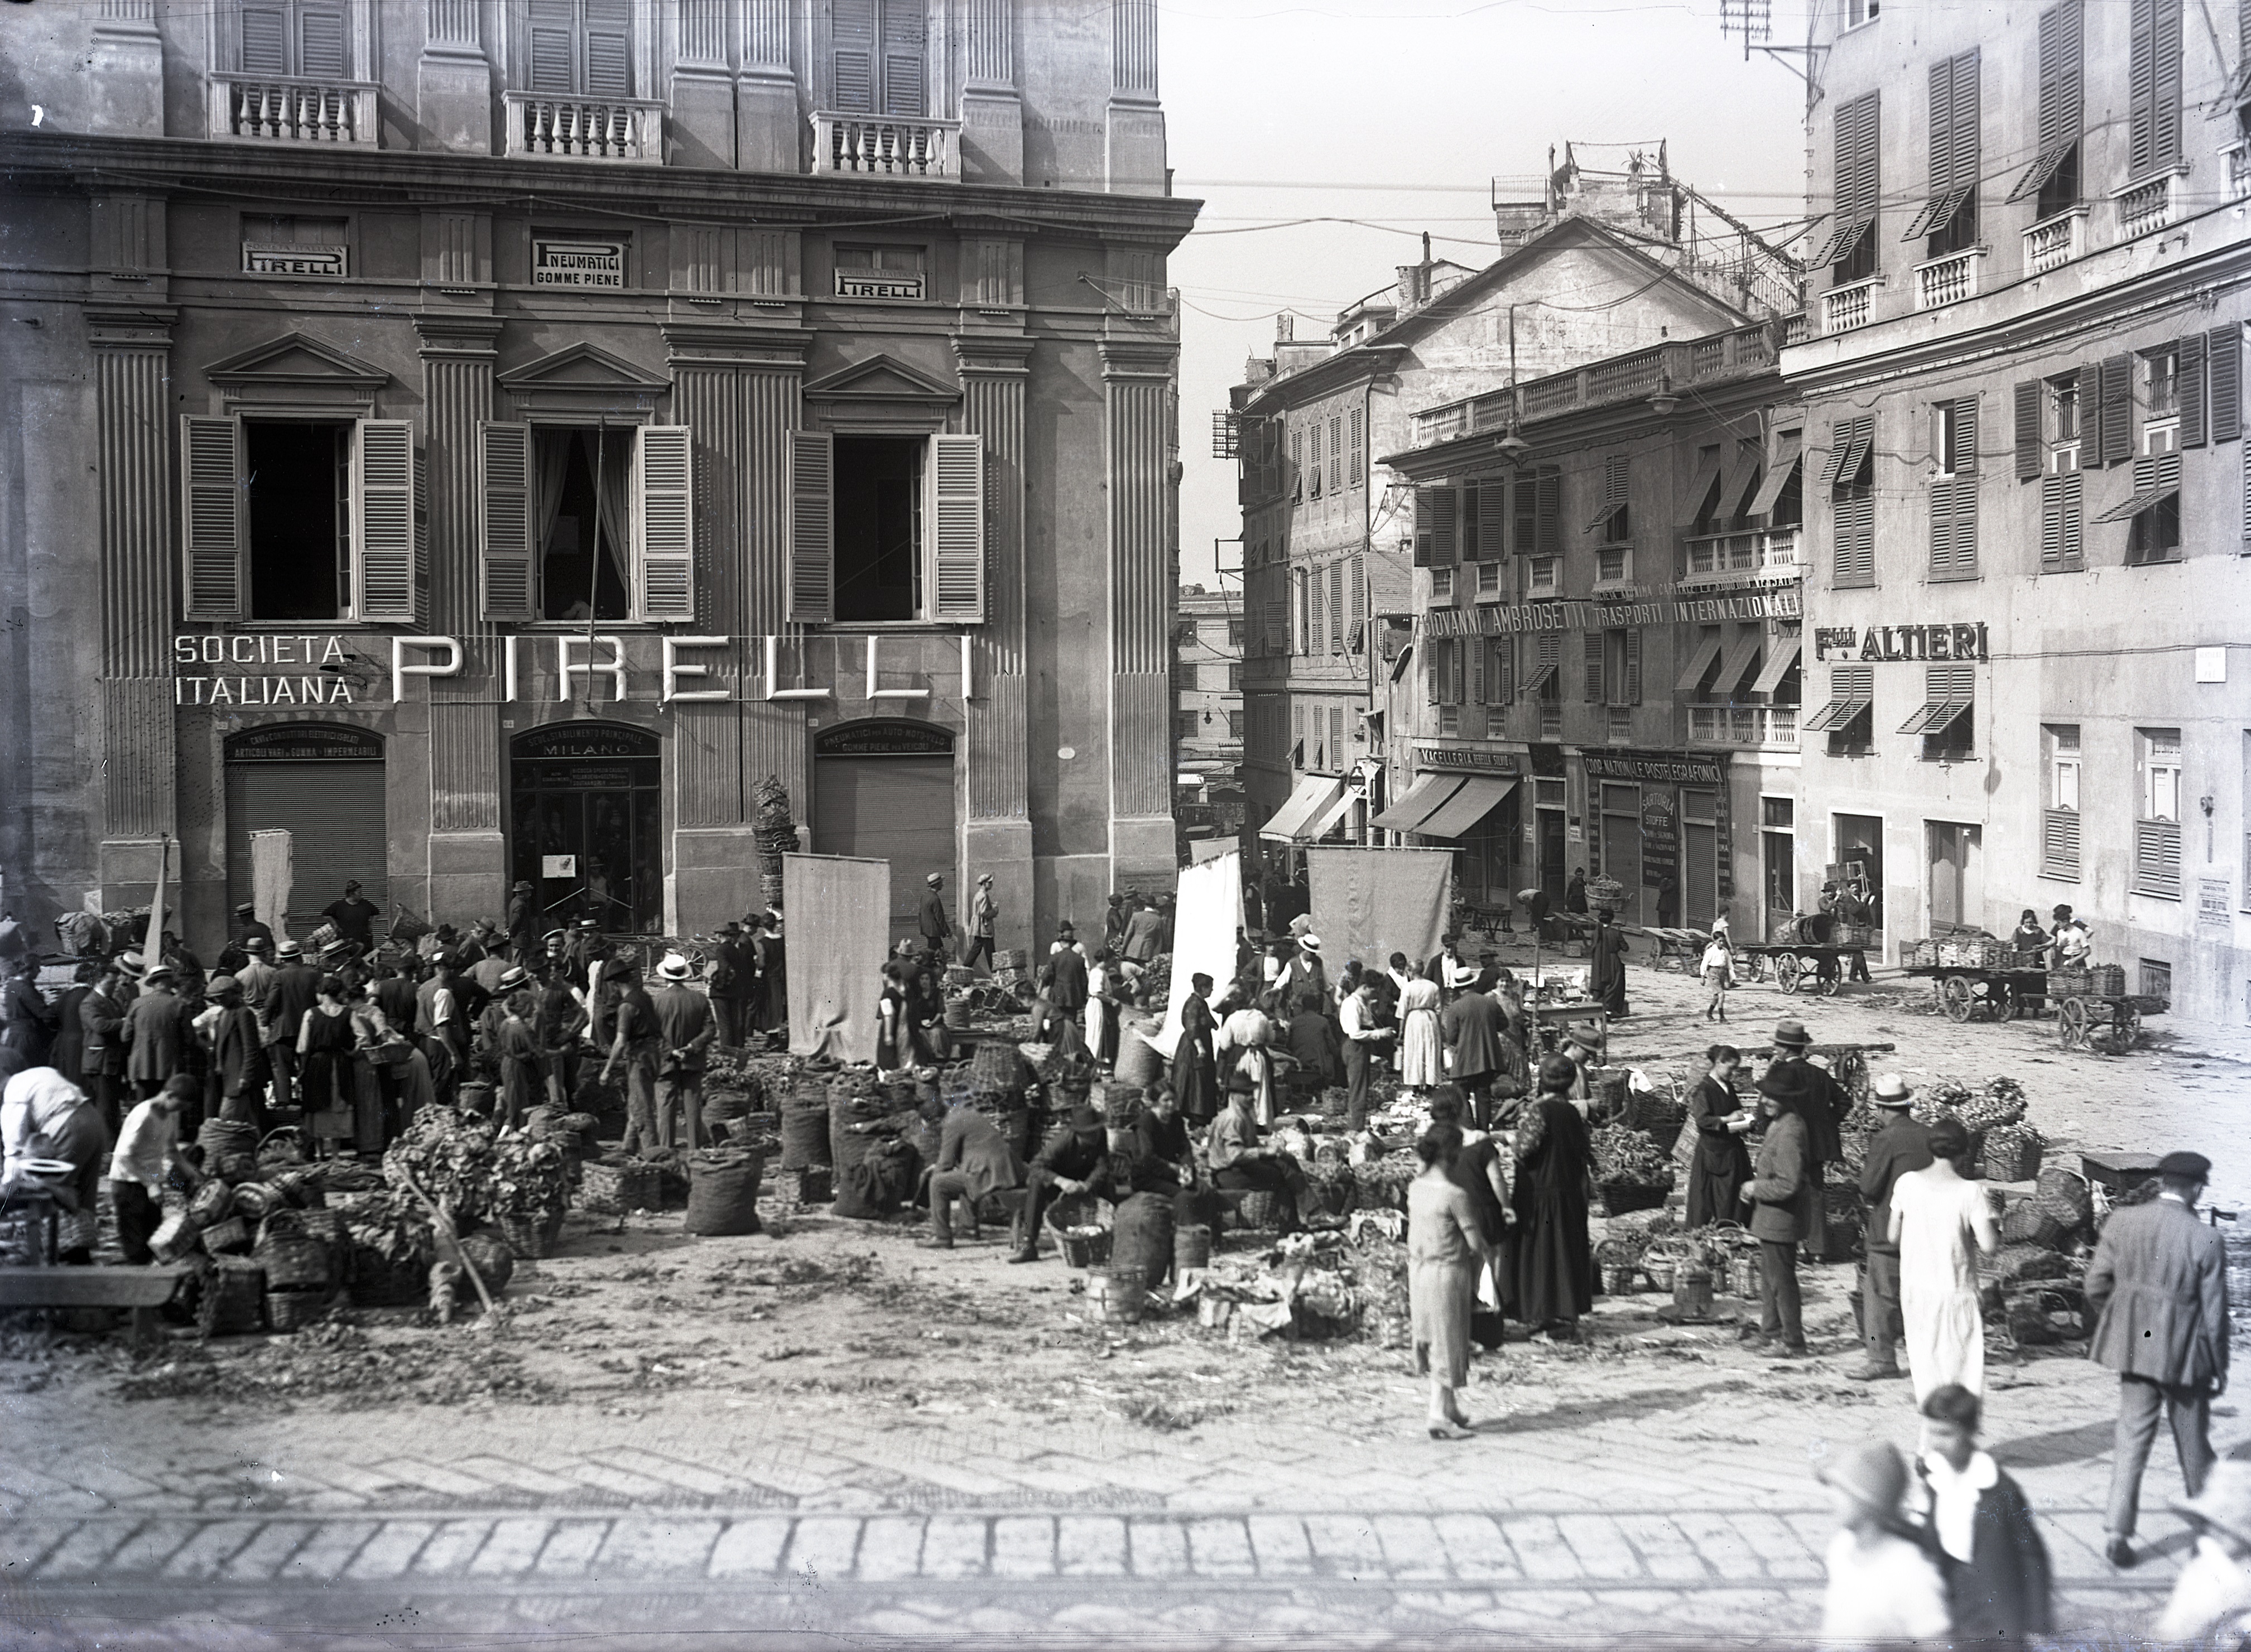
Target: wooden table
1561 1017
141 1289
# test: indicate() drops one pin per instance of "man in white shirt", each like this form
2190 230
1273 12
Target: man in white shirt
1356 1015
147 1151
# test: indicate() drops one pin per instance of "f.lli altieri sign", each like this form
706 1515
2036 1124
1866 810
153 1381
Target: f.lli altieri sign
1901 642
1496 619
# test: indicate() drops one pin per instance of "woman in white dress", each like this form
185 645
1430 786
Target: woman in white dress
1938 1216
1421 1064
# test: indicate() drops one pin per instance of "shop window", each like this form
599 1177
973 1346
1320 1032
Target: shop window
2157 979
2157 824
2059 761
299 520
581 47
887 528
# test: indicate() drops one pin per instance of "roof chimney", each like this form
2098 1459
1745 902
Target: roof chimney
1285 328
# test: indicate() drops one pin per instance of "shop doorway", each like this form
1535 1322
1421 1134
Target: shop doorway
882 789
1621 826
586 823
1955 899
1859 840
1551 847
1699 859
1777 836
322 783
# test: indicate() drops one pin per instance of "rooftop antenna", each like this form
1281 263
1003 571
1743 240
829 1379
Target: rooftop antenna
1753 21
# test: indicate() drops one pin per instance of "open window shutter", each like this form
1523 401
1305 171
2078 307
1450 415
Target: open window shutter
1631 696
1359 589
421 536
2165 87
958 533
1434 676
1492 520
553 30
504 502
2059 79
1425 510
1474 670
211 514
852 27
1961 138
1854 515
2141 85
1336 607
1549 535
383 520
812 527
265 40
2117 398
1942 526
903 74
1444 518
1941 130
1965 435
1965 526
1593 663
2191 357
2052 524
609 48
1500 673
2224 366
2028 429
1527 513
664 522
321 49
1357 460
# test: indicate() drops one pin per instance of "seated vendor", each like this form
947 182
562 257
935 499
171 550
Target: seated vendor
1071 1157
1160 1137
973 1160
1238 1160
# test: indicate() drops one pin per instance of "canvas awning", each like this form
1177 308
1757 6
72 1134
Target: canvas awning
1699 663
1736 483
1326 819
1738 661
1313 794
1778 664
1837 713
1790 447
1478 796
1692 502
1422 800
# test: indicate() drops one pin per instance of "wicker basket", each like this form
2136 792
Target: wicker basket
2071 983
2109 980
2012 1157
289 1310
531 1238
616 1189
292 1259
232 1299
228 1237
209 1204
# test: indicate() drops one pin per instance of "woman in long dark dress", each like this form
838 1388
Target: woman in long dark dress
1195 1069
1723 1163
327 1089
1606 973
1548 1280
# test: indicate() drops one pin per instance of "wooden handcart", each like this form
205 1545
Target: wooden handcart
2078 1015
1965 994
1804 965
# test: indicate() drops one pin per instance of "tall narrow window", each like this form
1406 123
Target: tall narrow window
1950 213
306 39
2059 821
2153 86
1850 251
2157 825
1356 447
2053 175
878 63
581 48
1954 490
1853 524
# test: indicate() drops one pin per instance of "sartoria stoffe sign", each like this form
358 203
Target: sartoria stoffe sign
1496 619
1901 642
579 264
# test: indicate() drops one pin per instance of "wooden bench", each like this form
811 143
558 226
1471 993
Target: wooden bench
143 1290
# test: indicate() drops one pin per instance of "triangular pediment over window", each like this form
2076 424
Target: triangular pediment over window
882 378
295 360
582 368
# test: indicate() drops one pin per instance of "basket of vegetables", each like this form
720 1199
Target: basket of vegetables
1630 1170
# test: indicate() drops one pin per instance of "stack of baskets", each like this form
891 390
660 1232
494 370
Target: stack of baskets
2109 980
1972 953
299 1276
2071 983
1919 955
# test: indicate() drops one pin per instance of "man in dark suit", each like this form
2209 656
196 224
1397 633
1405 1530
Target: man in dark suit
733 974
101 1019
936 931
288 995
524 921
973 1160
1070 1158
2158 1285
1471 1028
156 1031
1900 1144
1066 986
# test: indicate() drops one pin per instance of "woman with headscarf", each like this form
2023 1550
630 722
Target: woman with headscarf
1422 1062
1548 1277
1445 1248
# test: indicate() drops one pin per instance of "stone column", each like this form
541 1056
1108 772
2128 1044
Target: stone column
453 81
702 121
997 836
466 863
1135 119
992 108
126 88
770 131
1137 377
135 420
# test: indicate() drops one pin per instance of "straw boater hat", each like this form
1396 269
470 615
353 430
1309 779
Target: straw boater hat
2226 1500
291 949
984 877
1891 1090
162 972
675 967
131 962
1311 943
515 975
933 878
246 911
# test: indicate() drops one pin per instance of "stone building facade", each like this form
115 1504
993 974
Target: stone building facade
491 440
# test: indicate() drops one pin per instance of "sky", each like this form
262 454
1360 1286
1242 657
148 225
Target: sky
1400 116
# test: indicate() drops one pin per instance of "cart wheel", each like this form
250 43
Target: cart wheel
1786 970
2071 1022
1829 975
1954 997
2128 1022
2010 1006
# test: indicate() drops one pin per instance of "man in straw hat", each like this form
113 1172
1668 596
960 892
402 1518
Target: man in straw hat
1884 1588
2158 1285
984 920
936 931
156 1031
2210 1602
1900 1144
685 1028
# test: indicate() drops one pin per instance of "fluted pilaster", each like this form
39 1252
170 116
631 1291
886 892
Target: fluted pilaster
996 372
131 379
1137 384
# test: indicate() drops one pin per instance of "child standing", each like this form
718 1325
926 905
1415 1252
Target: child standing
1719 974
1997 1579
1883 1585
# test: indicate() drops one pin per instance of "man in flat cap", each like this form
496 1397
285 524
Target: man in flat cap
936 931
2158 1285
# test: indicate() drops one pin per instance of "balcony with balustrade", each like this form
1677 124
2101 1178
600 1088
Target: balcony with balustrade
265 108
2054 242
589 128
1948 280
887 146
1756 728
1844 309
2147 206
2237 159
1749 557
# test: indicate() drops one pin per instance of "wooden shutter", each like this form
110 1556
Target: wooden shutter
1859 130
553 30
1593 654
2116 396
2061 523
1424 512
2165 112
2190 359
1965 435
1473 689
2224 367
214 576
1359 588
1492 520
2153 86
1336 607
664 522
1853 512
1941 130
321 51
1500 673
1316 621
1961 136
852 59
1444 516
265 40
383 520
905 77
1548 529
812 527
2028 429
505 507
1528 511
1632 694
609 48
957 467
1358 461
2061 80
1942 527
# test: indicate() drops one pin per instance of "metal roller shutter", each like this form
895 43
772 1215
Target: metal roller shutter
898 809
334 814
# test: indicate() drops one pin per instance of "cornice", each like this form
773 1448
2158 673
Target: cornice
736 344
1611 423
988 353
129 326
79 161
1326 376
